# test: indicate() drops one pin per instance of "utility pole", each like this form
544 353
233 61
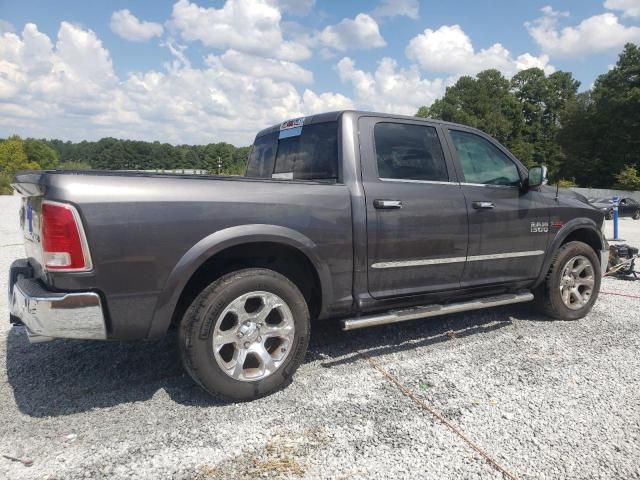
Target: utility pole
219 166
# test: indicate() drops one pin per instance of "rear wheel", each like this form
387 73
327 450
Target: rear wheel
246 334
608 215
572 284
636 215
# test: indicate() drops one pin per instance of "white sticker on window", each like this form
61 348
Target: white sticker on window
296 122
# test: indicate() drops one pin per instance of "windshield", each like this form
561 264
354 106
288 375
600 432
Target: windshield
309 152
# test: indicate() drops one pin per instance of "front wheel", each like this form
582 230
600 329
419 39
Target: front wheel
572 284
246 334
609 215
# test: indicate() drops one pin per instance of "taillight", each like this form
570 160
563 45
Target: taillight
64 246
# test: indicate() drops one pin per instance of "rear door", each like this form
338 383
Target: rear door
416 212
508 229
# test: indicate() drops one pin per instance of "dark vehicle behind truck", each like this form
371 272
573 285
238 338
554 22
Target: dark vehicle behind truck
627 207
364 217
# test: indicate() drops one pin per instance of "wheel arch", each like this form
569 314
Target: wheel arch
215 255
578 229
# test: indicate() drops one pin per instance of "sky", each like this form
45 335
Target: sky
202 71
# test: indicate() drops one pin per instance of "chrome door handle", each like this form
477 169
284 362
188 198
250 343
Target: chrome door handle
482 205
387 204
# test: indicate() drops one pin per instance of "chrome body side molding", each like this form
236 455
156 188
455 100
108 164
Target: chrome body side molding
472 258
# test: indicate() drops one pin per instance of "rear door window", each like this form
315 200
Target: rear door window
309 152
409 152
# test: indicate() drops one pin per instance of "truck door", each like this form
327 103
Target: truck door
416 212
508 229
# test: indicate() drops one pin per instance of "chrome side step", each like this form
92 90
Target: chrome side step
414 313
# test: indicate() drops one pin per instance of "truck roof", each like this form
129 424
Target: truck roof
334 116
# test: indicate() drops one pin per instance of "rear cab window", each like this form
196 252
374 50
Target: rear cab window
296 152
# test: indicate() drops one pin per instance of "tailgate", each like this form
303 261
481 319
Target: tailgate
31 189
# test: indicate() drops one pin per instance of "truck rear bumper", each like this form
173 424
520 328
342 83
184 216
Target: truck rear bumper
48 315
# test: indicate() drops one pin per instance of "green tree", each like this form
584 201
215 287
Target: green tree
543 99
524 113
485 102
564 183
13 158
74 165
601 129
628 179
240 158
578 138
39 152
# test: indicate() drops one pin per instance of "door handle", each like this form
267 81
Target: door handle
483 205
387 204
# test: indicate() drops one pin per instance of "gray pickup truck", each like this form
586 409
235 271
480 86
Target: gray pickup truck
361 217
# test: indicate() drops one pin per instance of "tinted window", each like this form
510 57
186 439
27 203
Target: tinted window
410 152
482 162
311 154
262 156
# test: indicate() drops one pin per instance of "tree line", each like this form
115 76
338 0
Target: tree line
589 139
115 154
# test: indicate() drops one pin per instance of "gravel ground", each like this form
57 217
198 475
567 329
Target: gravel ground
544 399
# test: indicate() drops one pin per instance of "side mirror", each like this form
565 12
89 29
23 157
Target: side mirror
537 176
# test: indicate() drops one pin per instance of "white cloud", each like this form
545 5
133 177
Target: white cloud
253 66
6 26
127 26
389 89
41 82
325 102
449 50
249 26
68 89
594 34
397 8
526 60
359 33
300 8
178 52
629 8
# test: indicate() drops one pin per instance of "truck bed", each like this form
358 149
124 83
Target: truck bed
139 226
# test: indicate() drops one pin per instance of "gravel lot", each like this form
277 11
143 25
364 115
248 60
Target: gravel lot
544 399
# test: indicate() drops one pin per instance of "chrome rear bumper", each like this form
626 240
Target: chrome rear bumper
48 315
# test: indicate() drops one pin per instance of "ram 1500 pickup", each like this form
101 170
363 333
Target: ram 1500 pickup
361 217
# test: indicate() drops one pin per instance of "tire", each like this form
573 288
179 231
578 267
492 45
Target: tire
636 215
549 295
609 215
259 312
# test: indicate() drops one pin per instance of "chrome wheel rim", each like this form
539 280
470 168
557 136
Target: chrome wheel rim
576 283
253 336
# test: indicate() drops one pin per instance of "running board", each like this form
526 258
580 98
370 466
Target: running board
414 313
